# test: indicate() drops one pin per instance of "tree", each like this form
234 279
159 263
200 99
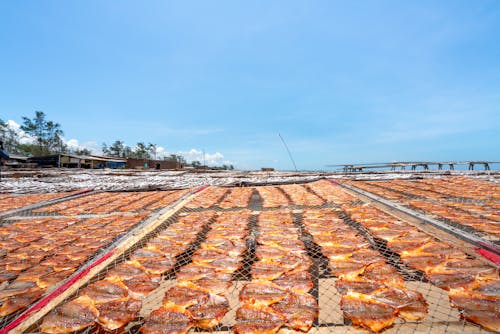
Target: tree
3 127
47 134
196 163
127 152
35 128
141 151
53 138
82 151
175 158
152 150
117 149
9 137
25 149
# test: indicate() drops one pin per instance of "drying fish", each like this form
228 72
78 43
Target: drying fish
299 309
168 319
253 319
106 290
208 313
479 301
298 281
72 316
19 301
185 294
141 286
262 292
116 314
367 312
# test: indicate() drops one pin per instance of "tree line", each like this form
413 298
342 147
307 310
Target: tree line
140 151
47 139
46 135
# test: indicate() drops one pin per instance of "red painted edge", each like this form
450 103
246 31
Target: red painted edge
333 181
495 258
83 191
201 188
45 300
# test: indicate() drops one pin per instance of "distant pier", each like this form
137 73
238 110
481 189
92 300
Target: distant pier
414 165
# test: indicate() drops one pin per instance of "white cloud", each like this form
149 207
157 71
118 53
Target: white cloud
12 124
24 138
74 144
197 155
211 159
161 152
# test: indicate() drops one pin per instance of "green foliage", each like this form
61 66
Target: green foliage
141 151
25 149
175 158
47 135
9 137
82 151
117 149
152 150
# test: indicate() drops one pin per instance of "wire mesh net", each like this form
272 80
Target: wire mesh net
471 206
38 253
268 262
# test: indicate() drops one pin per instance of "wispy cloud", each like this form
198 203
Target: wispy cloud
92 146
24 138
215 158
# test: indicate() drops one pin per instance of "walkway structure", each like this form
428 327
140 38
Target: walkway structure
414 165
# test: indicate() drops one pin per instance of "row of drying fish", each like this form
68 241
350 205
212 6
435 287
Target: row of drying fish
115 300
44 252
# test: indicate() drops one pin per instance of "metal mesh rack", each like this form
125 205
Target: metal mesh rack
85 199
27 211
442 318
27 214
471 230
105 247
456 224
167 278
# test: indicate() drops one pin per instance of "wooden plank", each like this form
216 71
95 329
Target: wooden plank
37 311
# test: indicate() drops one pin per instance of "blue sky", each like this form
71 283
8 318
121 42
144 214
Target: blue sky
351 81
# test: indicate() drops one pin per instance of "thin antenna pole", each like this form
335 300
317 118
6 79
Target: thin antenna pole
289 154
